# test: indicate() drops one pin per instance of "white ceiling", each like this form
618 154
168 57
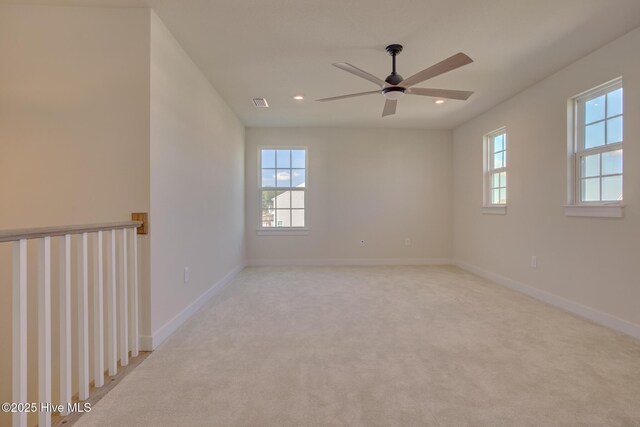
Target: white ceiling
280 48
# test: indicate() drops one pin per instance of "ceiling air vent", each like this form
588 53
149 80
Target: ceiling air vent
259 102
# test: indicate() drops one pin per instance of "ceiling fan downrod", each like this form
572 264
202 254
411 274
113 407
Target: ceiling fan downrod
394 78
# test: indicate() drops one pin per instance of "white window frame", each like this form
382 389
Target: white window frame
575 151
277 231
488 171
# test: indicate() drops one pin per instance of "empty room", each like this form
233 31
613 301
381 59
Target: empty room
305 213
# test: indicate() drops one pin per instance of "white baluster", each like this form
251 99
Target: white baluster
44 328
83 319
98 317
65 322
20 329
135 346
122 309
112 349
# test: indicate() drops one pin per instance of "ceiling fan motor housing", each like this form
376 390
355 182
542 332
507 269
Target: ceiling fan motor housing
394 79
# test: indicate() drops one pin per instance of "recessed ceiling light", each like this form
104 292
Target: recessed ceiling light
439 101
298 97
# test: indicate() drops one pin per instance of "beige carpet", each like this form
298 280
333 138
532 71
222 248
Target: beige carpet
379 346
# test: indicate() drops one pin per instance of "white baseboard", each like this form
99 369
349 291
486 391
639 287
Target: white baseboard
346 262
150 343
594 315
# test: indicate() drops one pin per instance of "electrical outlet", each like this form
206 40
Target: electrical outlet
534 261
407 241
363 243
186 275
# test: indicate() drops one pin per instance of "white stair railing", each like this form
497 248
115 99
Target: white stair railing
120 287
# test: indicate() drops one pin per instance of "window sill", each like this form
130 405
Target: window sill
282 232
601 211
494 210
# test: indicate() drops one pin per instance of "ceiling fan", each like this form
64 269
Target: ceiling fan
394 86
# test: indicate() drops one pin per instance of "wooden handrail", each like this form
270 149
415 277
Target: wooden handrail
35 233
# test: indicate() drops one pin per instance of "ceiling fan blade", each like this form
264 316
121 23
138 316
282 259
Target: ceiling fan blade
360 73
389 107
451 63
352 95
462 95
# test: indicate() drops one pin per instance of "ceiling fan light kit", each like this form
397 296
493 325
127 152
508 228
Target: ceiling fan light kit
394 92
395 86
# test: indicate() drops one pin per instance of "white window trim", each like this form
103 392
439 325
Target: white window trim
489 208
602 211
283 231
575 207
495 210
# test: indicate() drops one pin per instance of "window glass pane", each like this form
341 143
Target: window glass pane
495 180
280 171
283 178
594 110
590 191
283 158
503 179
283 218
268 217
495 196
269 159
612 188
283 200
590 166
614 130
503 196
612 162
297 199
498 160
297 177
498 143
298 159
297 218
268 177
614 103
267 199
594 135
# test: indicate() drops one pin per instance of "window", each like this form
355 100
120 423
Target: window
495 170
596 148
283 176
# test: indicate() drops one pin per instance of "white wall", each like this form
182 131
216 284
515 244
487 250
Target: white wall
377 185
592 262
197 182
74 137
102 114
